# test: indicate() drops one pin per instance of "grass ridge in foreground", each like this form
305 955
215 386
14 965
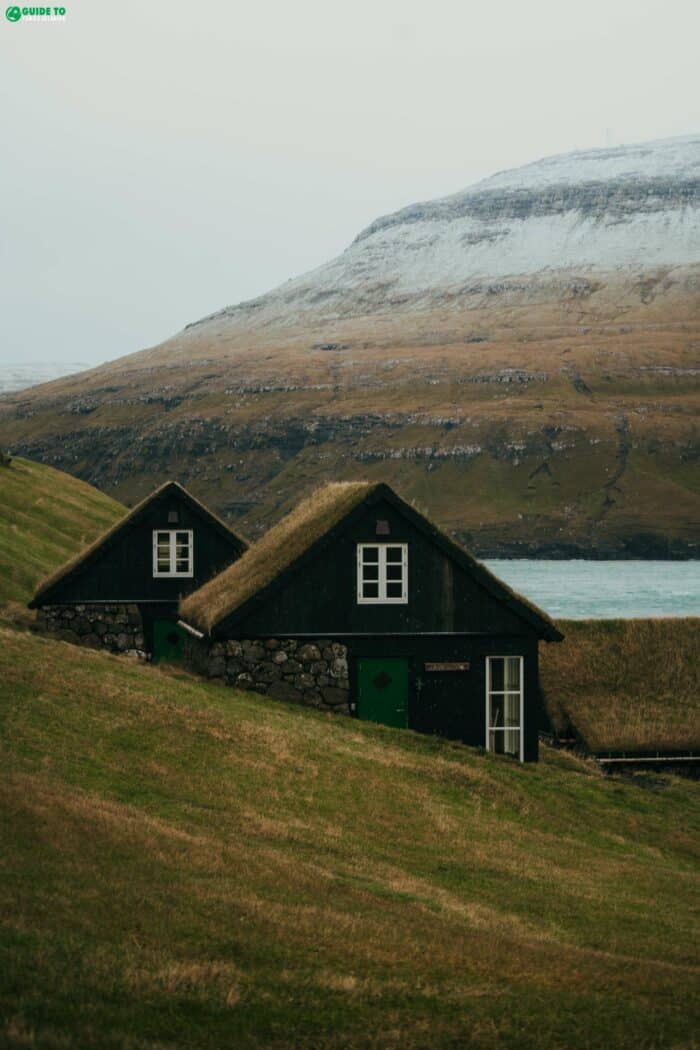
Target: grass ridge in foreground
184 865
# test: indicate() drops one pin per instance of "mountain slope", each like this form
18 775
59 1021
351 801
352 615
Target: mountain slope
45 517
522 357
186 866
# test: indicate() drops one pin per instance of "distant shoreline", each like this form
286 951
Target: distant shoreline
635 547
583 554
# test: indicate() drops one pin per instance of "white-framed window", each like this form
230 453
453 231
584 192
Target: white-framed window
504 705
382 573
173 552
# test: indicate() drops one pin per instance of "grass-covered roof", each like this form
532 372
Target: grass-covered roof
292 537
626 685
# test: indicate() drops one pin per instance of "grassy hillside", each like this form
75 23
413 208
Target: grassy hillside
186 866
45 517
626 685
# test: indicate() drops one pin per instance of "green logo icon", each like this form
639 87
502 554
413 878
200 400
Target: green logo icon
13 14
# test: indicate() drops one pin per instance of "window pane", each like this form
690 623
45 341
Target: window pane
394 554
370 554
505 742
497 711
512 709
511 742
504 709
163 537
163 564
370 572
496 665
370 590
512 676
182 565
394 572
394 590
496 741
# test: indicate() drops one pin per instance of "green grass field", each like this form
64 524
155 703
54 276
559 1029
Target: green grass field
45 517
186 866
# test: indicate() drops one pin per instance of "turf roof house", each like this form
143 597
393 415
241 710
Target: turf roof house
122 592
357 603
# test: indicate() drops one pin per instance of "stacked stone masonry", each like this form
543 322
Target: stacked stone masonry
118 628
314 673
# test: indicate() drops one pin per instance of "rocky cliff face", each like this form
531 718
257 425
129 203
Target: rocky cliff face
522 358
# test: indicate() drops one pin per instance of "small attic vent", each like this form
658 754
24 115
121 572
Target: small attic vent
173 517
383 528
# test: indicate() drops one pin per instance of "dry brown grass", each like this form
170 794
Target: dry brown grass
626 685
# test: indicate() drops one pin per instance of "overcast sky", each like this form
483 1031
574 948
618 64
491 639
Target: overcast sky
160 160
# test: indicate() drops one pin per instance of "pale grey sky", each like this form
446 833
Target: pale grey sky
159 160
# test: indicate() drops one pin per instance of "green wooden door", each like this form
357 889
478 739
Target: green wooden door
382 691
168 641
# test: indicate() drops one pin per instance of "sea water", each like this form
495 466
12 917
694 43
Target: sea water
577 590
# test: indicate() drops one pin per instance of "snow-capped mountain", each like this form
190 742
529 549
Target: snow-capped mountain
610 211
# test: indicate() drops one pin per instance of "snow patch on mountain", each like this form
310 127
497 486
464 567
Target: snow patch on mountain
632 208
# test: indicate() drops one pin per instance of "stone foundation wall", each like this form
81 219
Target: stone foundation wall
314 673
118 628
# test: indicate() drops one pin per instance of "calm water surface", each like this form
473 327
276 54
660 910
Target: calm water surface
578 590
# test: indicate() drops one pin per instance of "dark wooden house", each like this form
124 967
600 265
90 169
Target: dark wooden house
122 592
357 603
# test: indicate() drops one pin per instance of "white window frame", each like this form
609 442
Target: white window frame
501 692
382 581
172 571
